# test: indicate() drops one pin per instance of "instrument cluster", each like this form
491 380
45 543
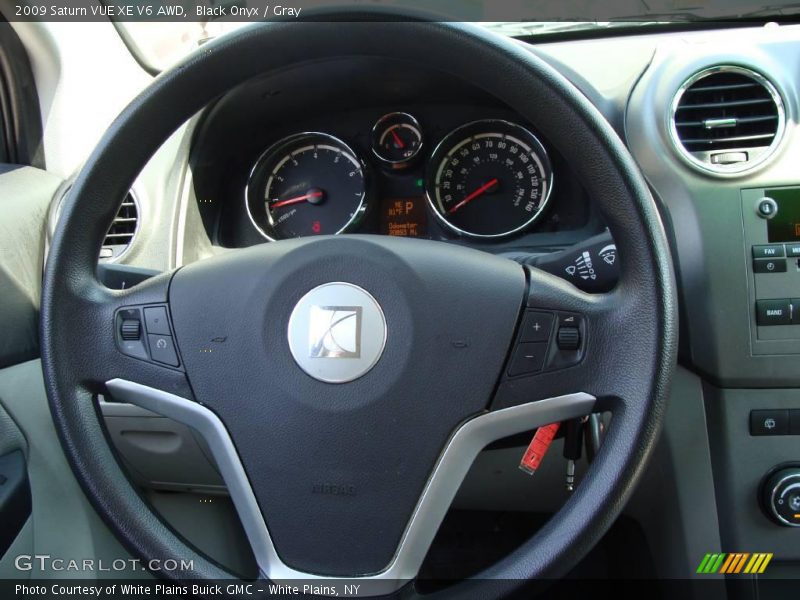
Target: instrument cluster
484 179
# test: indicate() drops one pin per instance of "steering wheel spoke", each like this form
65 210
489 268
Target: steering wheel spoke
106 334
449 472
569 341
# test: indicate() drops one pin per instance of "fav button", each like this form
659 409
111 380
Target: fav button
773 312
768 251
769 422
769 265
162 350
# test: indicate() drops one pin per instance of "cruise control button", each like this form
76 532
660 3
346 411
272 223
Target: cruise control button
162 350
769 265
155 319
528 358
769 422
768 251
773 312
536 327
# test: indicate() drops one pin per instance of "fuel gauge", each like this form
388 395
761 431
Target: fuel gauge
397 139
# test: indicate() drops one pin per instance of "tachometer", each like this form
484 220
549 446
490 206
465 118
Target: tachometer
489 179
306 184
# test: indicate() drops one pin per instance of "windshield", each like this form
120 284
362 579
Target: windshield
167 35
161 44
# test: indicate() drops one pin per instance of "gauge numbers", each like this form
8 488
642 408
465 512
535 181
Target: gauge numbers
306 184
489 179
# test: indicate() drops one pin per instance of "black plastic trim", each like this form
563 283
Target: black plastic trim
15 497
20 118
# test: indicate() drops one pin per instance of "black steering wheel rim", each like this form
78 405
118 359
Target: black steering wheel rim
644 301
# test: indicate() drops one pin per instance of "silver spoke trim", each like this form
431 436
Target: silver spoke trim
465 444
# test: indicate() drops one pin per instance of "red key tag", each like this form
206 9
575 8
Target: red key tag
538 448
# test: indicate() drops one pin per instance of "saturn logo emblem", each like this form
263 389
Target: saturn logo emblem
337 332
334 332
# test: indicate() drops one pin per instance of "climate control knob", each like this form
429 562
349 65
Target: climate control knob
781 496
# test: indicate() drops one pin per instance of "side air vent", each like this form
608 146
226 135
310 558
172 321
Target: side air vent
122 230
119 235
727 119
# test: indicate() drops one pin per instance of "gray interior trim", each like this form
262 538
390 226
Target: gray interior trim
25 194
456 460
63 524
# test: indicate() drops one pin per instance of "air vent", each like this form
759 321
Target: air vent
122 230
727 119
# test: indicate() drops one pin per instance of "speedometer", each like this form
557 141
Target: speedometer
306 184
489 179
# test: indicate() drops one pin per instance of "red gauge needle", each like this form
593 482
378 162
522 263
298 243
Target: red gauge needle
297 200
480 191
397 140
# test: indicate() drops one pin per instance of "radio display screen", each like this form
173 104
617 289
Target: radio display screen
785 225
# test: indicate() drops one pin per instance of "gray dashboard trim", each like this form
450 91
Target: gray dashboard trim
706 210
457 458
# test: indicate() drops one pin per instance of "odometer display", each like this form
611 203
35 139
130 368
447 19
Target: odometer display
306 184
489 179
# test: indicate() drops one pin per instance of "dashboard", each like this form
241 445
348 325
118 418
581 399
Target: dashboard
195 200
404 154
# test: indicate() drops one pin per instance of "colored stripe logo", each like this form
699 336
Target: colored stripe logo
734 563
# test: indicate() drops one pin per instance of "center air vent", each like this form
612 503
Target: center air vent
122 230
727 119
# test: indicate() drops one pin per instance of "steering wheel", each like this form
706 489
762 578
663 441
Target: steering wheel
345 384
